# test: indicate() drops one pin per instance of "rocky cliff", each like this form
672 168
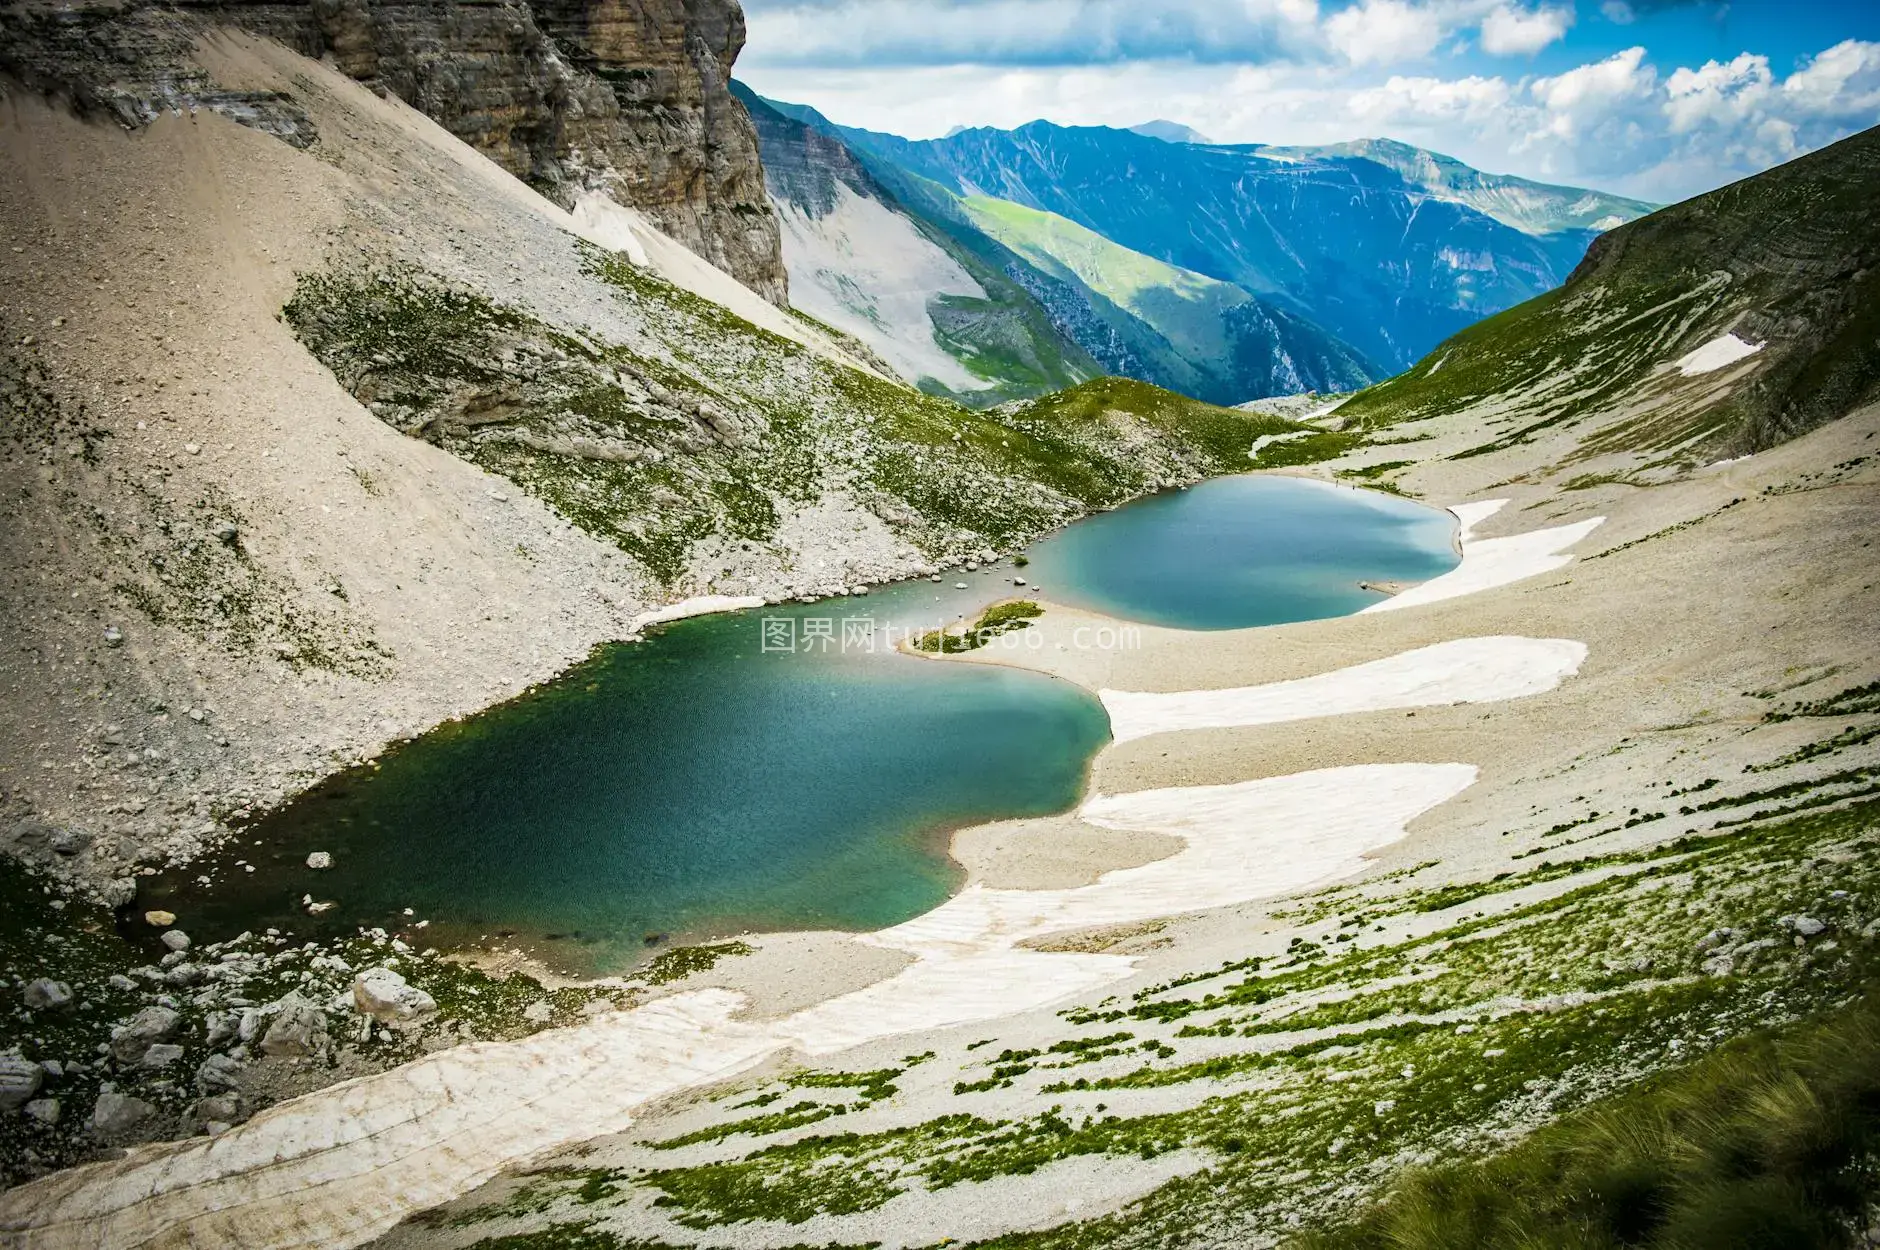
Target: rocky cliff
568 95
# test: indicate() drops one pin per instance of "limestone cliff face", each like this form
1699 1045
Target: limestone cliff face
629 96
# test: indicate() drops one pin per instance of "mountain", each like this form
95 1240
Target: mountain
569 97
1531 207
412 409
1721 325
1169 132
986 300
1387 249
929 308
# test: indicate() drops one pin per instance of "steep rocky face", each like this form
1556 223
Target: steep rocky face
627 96
1386 250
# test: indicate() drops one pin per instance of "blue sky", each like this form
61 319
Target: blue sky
1645 97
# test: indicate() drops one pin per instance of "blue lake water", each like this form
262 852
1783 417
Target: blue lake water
703 783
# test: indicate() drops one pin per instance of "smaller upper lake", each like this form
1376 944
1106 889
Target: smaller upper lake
1236 552
781 768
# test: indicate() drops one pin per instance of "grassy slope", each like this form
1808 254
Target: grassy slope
710 426
1349 1058
1157 292
1006 338
1787 258
1772 1141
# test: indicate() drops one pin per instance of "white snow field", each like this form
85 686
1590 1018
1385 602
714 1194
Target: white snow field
1719 353
1467 670
1491 562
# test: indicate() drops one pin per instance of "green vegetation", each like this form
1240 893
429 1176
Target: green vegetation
1771 1141
996 621
710 426
1353 1053
1656 288
677 965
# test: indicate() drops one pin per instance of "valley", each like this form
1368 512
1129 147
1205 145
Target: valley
1355 711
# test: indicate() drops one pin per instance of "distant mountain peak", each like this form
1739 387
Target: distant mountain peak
1169 132
1534 207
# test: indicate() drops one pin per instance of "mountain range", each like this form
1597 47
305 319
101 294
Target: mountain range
995 263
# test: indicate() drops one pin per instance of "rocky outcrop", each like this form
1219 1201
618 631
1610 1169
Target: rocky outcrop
627 96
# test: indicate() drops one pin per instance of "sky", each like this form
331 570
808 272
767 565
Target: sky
1658 99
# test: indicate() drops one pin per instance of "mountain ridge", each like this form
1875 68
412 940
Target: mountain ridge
1387 249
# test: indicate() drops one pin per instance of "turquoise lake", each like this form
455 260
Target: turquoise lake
704 783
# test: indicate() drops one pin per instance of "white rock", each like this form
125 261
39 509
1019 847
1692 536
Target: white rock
117 1113
320 859
176 940
387 998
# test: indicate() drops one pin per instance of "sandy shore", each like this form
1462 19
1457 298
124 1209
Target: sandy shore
1266 760
438 1127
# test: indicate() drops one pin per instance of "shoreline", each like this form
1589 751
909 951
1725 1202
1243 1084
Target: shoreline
971 962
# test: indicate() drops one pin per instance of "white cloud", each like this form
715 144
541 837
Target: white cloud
1844 81
1508 31
1377 32
1579 100
1717 93
1413 101
1620 123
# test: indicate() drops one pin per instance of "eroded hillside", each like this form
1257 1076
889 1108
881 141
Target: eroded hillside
315 445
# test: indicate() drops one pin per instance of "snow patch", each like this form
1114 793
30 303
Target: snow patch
1467 670
1241 842
1491 562
1716 354
1265 441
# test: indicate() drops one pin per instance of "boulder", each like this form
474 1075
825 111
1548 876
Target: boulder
45 994
116 1114
226 1108
132 1039
20 1079
224 1027
159 919
385 996
298 1029
1806 926
44 1110
161 1055
32 835
70 842
320 859
175 940
218 1075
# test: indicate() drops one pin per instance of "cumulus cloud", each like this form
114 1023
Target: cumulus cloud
1508 31
1717 92
1580 99
1424 101
1317 71
1384 31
